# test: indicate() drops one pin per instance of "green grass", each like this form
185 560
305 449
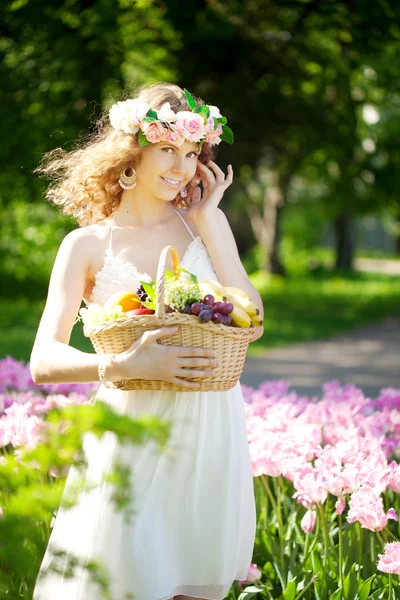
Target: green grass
322 305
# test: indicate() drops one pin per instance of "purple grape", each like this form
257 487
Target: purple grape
196 308
187 310
205 315
218 318
168 309
208 300
227 320
227 308
217 306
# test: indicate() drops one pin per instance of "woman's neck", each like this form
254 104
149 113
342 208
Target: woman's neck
138 209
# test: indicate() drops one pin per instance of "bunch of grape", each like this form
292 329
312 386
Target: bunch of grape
141 294
209 310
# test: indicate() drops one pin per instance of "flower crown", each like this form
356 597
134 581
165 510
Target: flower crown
201 124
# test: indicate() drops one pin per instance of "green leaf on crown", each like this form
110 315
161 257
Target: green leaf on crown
203 110
227 134
149 120
221 120
152 113
143 141
191 101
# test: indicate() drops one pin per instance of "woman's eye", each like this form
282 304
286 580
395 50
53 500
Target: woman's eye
192 154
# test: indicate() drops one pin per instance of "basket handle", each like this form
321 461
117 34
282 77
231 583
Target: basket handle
160 281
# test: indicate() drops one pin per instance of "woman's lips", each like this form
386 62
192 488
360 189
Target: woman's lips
171 183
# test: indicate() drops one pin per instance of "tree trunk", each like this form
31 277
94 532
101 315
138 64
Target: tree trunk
344 230
266 225
276 265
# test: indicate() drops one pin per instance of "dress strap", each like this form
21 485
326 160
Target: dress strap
111 233
185 224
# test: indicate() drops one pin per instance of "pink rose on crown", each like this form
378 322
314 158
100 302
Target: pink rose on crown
154 131
190 125
171 135
214 136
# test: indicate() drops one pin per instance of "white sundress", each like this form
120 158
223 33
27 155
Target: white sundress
194 519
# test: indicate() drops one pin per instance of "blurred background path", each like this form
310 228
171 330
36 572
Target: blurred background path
368 357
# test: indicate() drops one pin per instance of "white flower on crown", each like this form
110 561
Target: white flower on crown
127 115
166 113
214 111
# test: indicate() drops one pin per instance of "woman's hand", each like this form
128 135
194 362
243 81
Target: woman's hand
146 359
203 208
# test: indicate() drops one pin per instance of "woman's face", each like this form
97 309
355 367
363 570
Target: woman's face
165 168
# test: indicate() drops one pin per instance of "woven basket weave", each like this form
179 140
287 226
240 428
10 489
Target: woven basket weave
230 343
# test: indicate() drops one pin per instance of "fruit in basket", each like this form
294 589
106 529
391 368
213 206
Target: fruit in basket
205 315
236 299
126 300
140 311
240 318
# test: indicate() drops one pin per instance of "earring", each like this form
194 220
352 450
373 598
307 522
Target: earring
184 193
127 178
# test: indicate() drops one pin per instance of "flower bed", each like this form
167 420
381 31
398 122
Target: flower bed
326 478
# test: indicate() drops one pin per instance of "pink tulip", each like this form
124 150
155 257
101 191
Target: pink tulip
253 575
340 505
367 508
308 521
389 562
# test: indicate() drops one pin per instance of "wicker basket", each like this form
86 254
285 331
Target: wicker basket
230 343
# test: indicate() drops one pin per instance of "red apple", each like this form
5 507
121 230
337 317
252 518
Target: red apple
140 311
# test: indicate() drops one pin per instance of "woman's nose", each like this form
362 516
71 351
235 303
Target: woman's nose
179 164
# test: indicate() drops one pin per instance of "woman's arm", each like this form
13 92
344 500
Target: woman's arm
52 359
221 245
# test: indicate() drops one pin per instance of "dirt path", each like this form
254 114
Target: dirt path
368 357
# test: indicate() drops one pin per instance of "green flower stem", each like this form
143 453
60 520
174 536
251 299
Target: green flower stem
387 530
381 540
325 533
340 550
303 591
390 586
277 510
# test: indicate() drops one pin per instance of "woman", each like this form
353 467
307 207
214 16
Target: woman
134 189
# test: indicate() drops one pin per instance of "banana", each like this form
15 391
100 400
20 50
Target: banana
257 321
236 291
244 303
214 288
240 317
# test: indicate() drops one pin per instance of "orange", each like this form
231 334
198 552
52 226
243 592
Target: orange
126 300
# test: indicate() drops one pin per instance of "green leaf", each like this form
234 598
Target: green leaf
192 276
337 595
203 109
152 113
251 591
143 141
290 591
149 289
169 274
149 120
151 305
221 120
365 587
227 134
191 100
350 584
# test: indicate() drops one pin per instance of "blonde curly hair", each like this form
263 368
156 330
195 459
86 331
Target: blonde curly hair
85 180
